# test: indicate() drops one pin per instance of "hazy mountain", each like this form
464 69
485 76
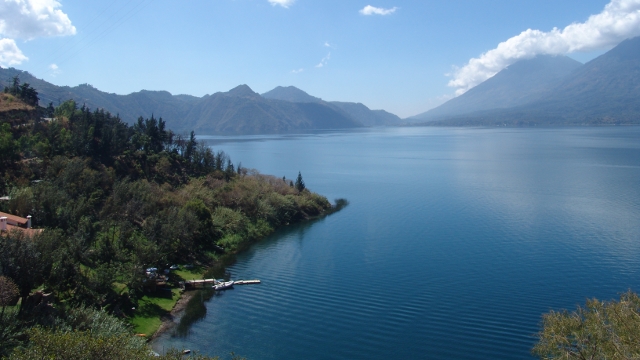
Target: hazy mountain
292 94
367 116
605 90
357 111
238 111
521 83
608 86
245 112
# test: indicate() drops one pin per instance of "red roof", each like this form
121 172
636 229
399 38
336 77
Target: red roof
14 219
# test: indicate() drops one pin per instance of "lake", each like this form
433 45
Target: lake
455 242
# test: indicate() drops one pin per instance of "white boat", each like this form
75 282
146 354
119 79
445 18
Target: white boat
223 285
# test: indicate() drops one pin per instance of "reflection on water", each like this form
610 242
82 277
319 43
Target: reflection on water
193 312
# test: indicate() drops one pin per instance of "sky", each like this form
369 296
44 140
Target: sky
403 56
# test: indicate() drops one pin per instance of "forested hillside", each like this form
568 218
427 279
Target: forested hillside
114 200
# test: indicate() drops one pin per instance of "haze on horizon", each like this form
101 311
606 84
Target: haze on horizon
402 56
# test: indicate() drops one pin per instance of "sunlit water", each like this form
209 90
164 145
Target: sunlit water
454 244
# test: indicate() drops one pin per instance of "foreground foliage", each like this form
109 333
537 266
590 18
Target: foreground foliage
91 345
600 330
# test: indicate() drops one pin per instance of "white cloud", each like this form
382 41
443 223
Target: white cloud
297 71
55 70
371 10
283 3
324 61
29 19
326 44
10 54
619 20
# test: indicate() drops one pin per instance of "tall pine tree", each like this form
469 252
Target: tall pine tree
299 183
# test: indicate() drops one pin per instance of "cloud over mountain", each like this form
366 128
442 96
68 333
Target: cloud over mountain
619 20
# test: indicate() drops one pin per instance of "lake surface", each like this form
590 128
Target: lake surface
454 243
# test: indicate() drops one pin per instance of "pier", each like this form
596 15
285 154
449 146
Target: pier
195 284
246 282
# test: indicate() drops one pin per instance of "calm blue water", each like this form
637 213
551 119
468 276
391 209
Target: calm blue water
453 245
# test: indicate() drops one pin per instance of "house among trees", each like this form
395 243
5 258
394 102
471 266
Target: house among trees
10 222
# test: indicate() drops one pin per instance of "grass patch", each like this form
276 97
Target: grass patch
119 288
189 274
147 326
151 308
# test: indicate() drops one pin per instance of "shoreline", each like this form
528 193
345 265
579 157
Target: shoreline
169 320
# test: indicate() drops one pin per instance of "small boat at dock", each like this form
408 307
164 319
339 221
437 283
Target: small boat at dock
223 285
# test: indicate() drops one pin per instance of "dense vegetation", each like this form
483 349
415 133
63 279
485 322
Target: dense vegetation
600 330
115 200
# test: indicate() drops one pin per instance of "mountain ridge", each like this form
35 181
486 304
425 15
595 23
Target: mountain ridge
357 111
237 111
603 91
520 83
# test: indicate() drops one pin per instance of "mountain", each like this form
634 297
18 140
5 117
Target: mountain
606 87
357 111
606 90
238 111
292 94
367 116
242 111
521 83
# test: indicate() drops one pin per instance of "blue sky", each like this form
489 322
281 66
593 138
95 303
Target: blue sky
401 55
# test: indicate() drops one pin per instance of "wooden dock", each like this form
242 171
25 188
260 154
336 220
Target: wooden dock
246 282
195 284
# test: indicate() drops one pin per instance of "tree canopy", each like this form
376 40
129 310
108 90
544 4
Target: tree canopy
600 330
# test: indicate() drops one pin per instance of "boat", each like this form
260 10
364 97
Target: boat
223 285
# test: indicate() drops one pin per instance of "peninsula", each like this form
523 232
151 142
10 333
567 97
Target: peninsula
117 205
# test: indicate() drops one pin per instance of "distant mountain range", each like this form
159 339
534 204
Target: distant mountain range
357 111
238 111
550 90
545 90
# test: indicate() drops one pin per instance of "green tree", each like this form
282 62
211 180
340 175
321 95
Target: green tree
8 147
299 183
66 109
21 260
600 330
8 293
